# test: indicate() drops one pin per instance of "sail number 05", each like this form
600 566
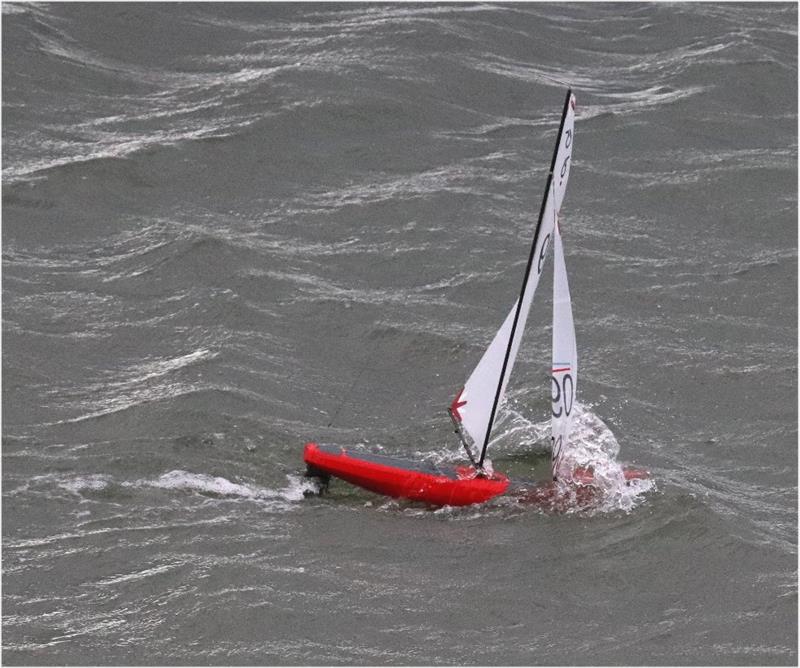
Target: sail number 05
563 394
565 164
542 254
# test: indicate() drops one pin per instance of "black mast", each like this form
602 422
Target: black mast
525 280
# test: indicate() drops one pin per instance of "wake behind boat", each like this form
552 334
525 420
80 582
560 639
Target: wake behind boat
474 409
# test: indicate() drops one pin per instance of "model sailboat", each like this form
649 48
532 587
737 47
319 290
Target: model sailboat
474 409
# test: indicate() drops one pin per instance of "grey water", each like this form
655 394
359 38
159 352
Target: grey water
229 229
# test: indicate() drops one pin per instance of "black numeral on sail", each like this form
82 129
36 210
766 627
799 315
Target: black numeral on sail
542 254
565 389
567 144
557 445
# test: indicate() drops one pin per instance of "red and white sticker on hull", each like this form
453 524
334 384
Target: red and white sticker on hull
564 378
475 404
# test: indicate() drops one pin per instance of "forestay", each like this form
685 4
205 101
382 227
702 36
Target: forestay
564 379
476 405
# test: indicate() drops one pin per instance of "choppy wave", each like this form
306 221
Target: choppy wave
206 97
89 485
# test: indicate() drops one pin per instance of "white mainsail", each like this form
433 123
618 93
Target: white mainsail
564 379
476 405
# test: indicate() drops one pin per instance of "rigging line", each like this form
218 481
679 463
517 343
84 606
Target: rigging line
348 393
362 369
553 79
524 281
457 430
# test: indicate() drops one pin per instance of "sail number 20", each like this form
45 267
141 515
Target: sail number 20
563 394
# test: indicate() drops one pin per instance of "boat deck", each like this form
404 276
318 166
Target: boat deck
430 468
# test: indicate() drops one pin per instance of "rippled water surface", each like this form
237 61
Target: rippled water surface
232 228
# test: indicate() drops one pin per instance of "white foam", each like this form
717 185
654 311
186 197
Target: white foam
593 445
94 482
219 486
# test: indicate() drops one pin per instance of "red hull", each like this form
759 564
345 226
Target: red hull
585 476
403 480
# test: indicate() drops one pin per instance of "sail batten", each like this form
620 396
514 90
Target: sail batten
484 390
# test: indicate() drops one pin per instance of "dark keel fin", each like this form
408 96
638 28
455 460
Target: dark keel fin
323 478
